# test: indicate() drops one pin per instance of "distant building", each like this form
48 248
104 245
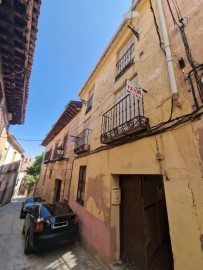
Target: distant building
55 177
18 34
10 163
20 188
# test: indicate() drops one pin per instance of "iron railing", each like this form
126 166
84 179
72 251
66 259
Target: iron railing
14 166
89 104
82 143
123 119
125 62
47 156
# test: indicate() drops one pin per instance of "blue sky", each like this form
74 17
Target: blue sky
71 38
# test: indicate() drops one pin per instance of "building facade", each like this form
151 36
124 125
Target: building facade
10 163
18 34
20 188
137 180
55 176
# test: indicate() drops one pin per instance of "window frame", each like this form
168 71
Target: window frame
89 101
125 57
80 198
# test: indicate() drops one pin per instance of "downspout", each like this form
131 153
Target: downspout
167 48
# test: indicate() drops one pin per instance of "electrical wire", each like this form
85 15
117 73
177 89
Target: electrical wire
157 28
194 64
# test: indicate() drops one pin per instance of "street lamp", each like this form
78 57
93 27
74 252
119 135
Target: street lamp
60 151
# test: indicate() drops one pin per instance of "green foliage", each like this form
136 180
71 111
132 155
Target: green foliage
30 183
35 168
33 172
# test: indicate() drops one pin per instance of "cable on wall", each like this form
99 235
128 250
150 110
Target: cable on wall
157 28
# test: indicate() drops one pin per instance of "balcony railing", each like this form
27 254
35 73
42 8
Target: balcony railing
125 62
47 156
10 167
82 143
123 119
89 104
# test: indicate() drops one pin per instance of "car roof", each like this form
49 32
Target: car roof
33 197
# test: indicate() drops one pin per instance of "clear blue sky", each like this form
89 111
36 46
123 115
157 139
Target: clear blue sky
72 36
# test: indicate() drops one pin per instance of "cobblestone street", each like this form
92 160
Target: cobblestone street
12 243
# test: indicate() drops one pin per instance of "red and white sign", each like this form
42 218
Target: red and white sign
134 89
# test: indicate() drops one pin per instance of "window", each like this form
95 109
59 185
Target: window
125 58
50 174
127 108
81 185
89 102
87 123
65 143
55 154
13 157
3 156
47 155
44 177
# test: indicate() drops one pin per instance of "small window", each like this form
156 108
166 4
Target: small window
81 185
55 154
44 177
50 174
89 102
47 156
65 143
125 58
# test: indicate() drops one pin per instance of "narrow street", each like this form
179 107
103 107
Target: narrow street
12 243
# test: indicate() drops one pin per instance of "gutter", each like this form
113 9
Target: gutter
167 48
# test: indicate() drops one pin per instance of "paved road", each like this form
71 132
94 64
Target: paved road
71 257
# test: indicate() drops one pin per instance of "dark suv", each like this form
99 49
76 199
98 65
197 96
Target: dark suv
48 225
29 204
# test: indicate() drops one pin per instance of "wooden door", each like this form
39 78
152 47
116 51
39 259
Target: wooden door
132 234
57 190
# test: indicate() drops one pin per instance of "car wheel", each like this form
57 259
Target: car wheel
27 249
21 215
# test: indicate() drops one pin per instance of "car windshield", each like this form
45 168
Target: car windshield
33 199
48 210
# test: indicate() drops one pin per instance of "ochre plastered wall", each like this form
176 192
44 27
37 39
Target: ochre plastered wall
150 69
183 184
182 151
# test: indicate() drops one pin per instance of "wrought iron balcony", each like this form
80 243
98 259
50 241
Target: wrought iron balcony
89 104
57 155
125 62
14 166
82 142
123 119
47 157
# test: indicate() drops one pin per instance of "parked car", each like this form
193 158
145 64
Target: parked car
47 226
29 204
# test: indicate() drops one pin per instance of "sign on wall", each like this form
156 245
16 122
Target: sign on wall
134 89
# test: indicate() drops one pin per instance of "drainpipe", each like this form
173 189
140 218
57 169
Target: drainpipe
167 48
